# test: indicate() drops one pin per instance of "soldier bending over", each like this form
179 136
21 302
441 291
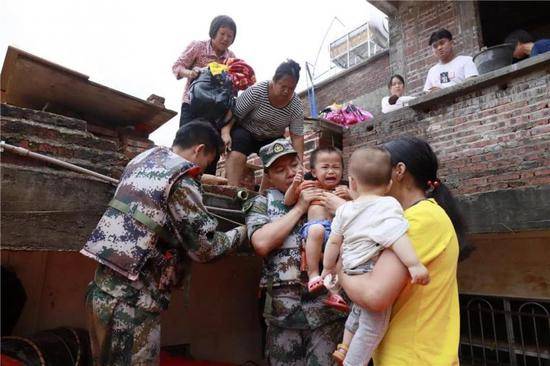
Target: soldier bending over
154 224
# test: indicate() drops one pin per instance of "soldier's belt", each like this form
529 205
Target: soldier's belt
145 220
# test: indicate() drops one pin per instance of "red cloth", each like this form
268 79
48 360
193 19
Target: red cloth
8 361
241 74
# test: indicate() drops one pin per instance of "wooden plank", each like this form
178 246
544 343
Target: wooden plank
508 264
31 82
229 329
49 211
62 301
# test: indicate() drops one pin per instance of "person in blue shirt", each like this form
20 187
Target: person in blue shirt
525 45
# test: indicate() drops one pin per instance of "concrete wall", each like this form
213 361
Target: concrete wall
102 149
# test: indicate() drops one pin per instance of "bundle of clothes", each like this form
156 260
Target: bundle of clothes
345 115
213 92
241 74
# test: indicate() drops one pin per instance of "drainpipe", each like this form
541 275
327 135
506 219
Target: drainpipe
311 94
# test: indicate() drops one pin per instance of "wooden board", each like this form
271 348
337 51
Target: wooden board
508 264
228 330
31 82
49 210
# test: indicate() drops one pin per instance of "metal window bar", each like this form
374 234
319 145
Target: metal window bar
545 315
490 326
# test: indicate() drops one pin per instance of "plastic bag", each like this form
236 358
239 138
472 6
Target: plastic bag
212 96
346 115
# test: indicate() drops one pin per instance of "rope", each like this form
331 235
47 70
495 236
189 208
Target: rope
209 209
45 211
226 219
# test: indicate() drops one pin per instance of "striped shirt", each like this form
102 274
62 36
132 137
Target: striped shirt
264 121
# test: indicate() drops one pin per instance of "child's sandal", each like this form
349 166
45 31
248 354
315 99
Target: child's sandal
315 284
340 354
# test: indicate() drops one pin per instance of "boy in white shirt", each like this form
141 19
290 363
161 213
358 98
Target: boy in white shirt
450 70
361 230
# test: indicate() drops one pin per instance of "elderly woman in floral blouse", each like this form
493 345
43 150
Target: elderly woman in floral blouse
199 54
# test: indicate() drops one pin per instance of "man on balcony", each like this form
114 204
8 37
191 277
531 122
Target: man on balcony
451 69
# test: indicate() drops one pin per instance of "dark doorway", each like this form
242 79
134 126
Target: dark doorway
498 18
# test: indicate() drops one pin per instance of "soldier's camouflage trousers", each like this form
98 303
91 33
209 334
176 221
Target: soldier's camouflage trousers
303 347
121 334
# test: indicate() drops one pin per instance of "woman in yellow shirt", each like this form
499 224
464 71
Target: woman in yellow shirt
424 326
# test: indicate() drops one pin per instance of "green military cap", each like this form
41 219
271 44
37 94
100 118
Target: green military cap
273 151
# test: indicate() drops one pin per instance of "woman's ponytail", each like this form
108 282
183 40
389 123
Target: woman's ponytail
422 164
446 200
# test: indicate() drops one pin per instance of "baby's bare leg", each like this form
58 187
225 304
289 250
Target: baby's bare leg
315 239
348 336
314 246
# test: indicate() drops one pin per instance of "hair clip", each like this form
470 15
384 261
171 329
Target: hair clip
433 185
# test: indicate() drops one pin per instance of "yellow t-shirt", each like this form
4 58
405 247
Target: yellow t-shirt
424 326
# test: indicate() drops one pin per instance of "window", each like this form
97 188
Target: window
499 18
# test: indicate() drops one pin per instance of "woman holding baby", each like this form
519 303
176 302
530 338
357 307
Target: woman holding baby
424 322
421 323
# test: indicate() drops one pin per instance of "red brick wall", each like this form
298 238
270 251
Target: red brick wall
352 84
410 31
489 139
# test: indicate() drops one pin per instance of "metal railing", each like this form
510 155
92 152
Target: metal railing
504 331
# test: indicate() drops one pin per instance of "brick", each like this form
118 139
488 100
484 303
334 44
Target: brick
485 140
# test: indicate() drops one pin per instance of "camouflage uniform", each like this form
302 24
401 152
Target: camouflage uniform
301 330
144 241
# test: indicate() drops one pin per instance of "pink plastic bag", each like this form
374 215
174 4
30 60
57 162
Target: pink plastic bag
348 116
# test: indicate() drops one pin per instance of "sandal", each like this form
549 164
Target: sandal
331 283
315 284
337 302
340 354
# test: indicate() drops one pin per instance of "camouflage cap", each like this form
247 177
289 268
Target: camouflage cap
273 151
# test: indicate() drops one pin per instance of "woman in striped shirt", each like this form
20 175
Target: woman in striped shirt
263 112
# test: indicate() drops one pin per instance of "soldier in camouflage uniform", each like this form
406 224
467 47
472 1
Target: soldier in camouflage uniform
301 330
155 224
